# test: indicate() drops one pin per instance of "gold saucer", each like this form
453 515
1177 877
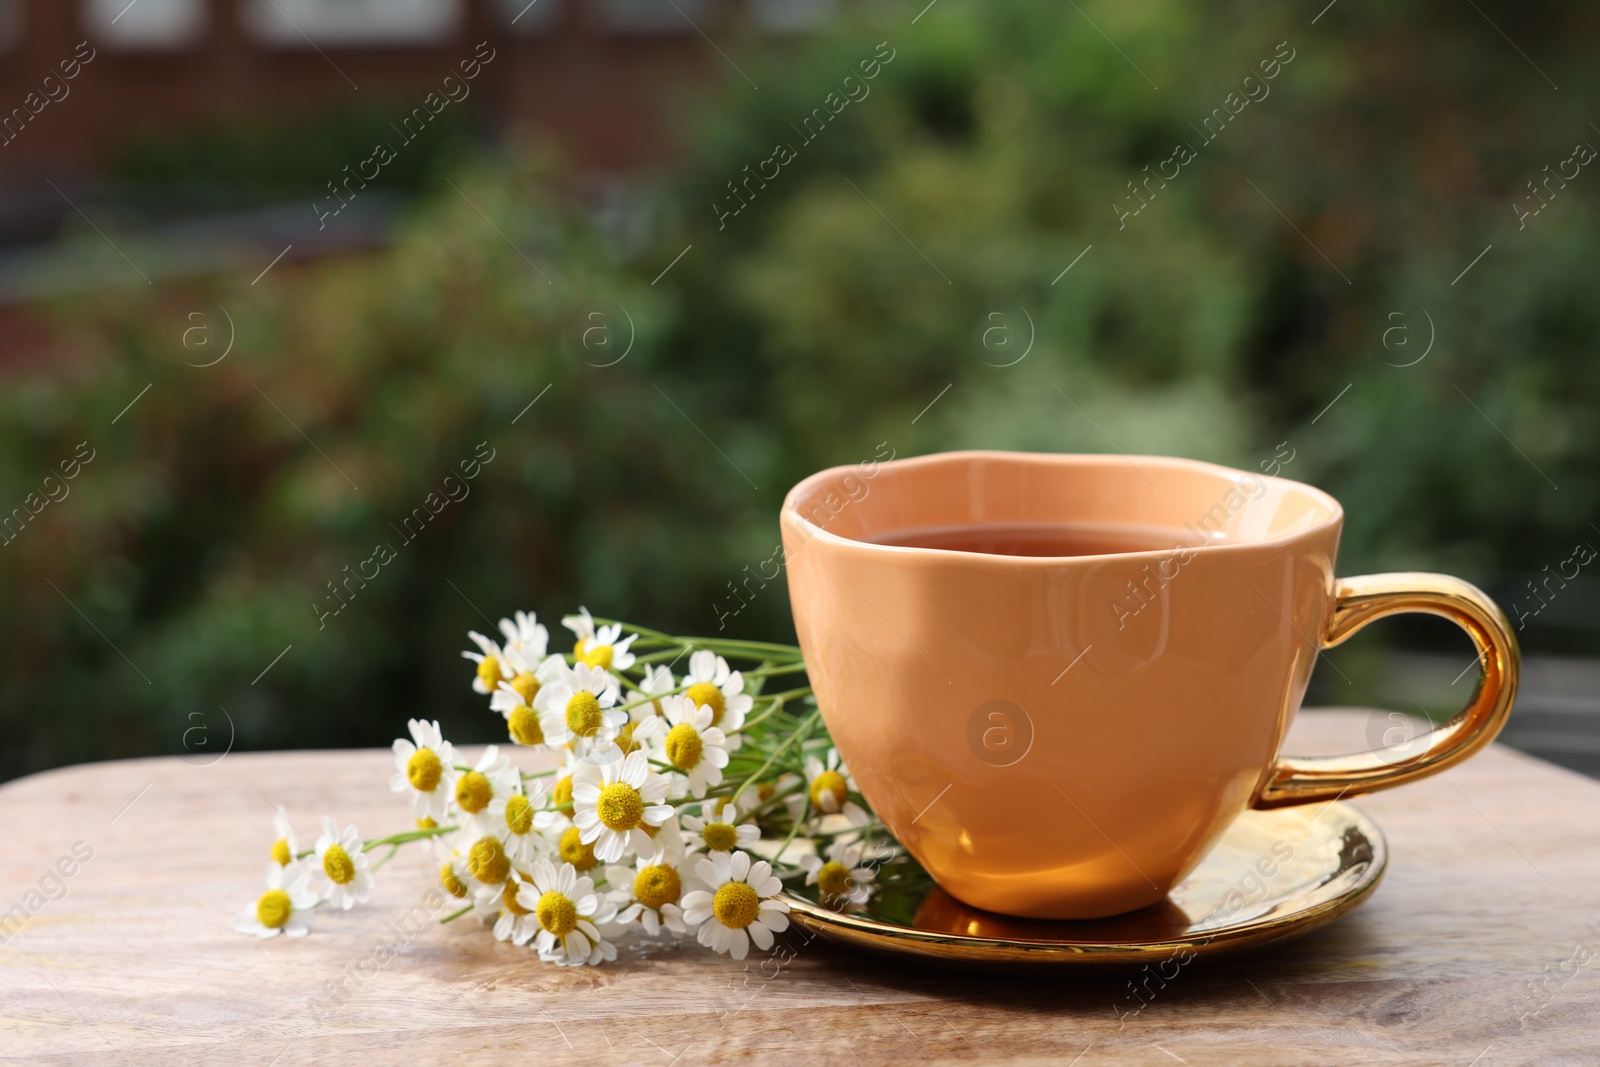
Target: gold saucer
1273 875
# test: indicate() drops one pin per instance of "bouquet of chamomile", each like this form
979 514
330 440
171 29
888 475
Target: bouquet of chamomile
686 792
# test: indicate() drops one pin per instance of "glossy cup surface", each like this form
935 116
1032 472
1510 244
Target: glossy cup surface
1059 737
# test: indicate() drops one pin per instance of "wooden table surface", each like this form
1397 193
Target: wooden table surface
1470 952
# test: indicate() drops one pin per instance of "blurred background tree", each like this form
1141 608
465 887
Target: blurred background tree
1274 298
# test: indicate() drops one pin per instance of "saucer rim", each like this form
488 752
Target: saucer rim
878 936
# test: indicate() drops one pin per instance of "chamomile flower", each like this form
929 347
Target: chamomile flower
501 905
341 876
285 908
514 698
490 659
288 842
840 877
829 786
491 778
657 682
526 635
453 876
712 684
567 912
487 864
737 906
575 708
425 767
599 648
611 814
652 895
515 821
789 785
668 838
694 747
717 828
569 844
641 733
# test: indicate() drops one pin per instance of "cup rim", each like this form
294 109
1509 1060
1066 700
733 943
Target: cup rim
791 514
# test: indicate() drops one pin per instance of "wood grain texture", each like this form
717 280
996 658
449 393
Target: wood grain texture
1491 888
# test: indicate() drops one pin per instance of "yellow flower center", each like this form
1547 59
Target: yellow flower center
473 792
280 852
598 656
561 795
620 806
452 885
274 908
337 865
423 770
658 885
720 837
489 672
557 914
427 823
574 851
525 728
519 814
683 746
625 739
584 716
508 897
736 905
488 862
527 686
834 879
828 791
704 694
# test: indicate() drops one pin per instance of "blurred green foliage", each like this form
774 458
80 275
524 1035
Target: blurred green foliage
818 323
219 164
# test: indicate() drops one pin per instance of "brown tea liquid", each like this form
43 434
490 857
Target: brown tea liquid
1040 538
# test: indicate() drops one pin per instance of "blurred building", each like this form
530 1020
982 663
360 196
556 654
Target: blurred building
594 71
190 90
597 75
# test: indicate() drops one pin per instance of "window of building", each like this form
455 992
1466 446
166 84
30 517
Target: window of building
652 17
791 16
351 23
145 25
530 18
10 24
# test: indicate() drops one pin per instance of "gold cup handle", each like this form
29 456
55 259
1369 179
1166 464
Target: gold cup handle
1358 601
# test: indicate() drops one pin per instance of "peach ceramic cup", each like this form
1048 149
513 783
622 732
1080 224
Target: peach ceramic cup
1065 737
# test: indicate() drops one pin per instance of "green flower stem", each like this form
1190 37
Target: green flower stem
392 850
751 649
773 801
403 838
657 657
793 830
799 733
782 668
455 914
788 694
723 646
642 631
778 701
630 705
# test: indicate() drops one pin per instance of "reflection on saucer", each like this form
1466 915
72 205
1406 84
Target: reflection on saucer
942 913
1273 875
